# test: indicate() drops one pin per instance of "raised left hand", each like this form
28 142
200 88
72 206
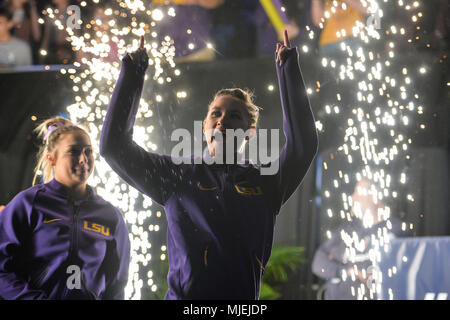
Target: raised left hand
282 49
140 55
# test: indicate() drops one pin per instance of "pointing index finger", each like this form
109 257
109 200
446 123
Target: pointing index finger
286 39
141 42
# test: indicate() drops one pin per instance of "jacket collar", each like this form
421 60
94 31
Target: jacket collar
211 162
63 190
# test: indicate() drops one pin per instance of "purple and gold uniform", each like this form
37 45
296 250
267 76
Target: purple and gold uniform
45 236
220 216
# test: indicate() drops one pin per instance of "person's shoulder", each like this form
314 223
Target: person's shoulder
102 203
31 191
256 167
395 225
186 163
25 198
19 42
117 214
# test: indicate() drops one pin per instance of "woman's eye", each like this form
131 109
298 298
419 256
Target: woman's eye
88 152
74 152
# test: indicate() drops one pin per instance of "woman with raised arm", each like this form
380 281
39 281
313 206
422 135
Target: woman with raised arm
220 216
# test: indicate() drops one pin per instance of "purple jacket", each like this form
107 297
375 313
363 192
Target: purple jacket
220 217
43 232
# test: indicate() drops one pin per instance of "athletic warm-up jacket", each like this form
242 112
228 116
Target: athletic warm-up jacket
220 216
52 247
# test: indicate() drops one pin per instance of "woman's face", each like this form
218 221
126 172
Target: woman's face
73 160
225 112
18 4
60 2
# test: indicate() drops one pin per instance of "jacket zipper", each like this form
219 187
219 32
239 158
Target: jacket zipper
224 176
72 238
75 227
227 171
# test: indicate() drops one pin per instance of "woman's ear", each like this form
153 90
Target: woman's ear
252 133
50 157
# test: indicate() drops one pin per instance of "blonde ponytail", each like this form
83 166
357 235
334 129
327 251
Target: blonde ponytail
49 131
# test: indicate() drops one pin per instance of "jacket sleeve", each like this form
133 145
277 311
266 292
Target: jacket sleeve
150 173
14 228
299 129
115 290
327 262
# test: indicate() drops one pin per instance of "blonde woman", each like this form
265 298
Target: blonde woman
59 240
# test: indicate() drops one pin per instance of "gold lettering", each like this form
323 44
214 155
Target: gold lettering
97 228
105 233
86 226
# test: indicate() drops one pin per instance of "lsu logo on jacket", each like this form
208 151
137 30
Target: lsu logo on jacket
98 228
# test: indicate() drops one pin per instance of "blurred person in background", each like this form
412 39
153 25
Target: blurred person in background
267 33
441 30
190 29
234 29
434 27
25 23
13 51
331 261
56 49
337 27
99 22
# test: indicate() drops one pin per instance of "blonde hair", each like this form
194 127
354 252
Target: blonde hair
246 96
50 131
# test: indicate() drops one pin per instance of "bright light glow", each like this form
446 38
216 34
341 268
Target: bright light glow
384 105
